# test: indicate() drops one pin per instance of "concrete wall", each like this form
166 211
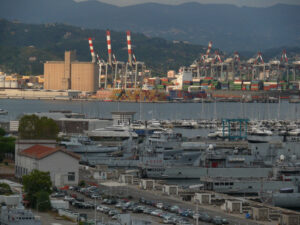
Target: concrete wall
259 213
289 219
203 198
35 93
125 178
84 76
59 164
147 184
24 165
170 189
233 206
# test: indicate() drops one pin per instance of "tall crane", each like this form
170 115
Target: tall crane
132 63
258 64
99 61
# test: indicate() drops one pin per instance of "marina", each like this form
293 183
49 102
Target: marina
250 166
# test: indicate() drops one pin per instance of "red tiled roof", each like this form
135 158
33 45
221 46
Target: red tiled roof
42 151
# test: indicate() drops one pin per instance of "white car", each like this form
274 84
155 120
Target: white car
100 208
156 212
68 198
159 205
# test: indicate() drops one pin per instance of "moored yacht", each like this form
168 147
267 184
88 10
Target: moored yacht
116 132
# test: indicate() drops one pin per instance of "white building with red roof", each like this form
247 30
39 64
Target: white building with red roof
63 165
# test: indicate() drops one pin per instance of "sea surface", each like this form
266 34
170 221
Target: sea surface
161 111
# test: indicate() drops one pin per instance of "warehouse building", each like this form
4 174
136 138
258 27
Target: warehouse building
70 74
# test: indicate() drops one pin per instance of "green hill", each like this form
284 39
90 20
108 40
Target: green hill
25 47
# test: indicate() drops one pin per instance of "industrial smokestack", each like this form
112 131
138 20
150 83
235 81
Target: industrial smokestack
92 50
208 49
108 46
129 48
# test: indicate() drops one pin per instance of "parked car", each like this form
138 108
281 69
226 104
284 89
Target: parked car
58 195
79 199
205 217
168 220
156 212
159 205
113 212
217 220
95 196
174 209
68 198
225 221
137 209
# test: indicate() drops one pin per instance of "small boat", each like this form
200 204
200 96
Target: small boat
3 112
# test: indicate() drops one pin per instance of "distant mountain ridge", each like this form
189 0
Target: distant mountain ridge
229 27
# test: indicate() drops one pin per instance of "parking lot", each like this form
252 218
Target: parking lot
105 203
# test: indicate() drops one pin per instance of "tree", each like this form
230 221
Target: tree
33 127
82 183
2 132
5 189
7 146
34 184
43 201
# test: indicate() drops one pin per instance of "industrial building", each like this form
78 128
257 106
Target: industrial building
71 74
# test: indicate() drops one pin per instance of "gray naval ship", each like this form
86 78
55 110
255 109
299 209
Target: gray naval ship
287 197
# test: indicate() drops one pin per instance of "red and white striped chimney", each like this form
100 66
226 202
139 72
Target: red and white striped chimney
108 39
208 49
92 50
129 47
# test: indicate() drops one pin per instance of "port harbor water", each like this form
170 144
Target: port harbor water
160 111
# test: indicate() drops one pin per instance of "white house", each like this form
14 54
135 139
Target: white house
63 165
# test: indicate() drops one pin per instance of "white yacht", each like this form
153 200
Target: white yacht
295 132
218 133
260 131
116 132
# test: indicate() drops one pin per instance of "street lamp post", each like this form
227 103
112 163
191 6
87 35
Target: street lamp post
95 212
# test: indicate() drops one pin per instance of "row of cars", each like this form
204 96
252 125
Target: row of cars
174 211
112 206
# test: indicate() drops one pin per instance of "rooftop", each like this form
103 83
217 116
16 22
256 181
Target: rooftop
41 151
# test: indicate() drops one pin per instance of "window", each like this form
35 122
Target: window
71 176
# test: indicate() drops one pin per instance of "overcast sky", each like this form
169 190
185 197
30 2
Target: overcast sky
254 3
